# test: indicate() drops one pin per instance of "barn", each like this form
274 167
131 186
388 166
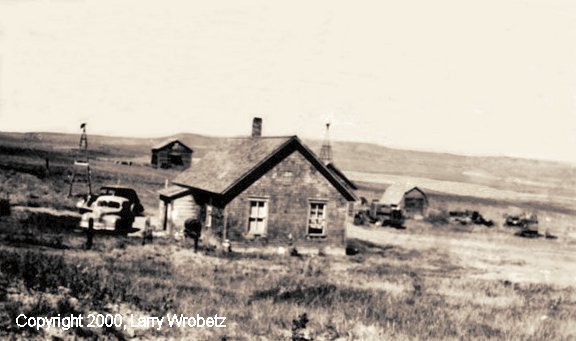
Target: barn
171 154
410 199
262 188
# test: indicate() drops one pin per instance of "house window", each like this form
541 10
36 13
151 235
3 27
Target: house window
258 217
317 219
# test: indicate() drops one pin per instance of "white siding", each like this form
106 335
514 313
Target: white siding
178 211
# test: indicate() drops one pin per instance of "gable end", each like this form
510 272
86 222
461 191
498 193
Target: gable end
275 158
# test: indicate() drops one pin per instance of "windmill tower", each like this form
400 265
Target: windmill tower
326 150
81 169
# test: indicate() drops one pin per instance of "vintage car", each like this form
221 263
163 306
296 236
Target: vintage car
124 192
108 212
127 193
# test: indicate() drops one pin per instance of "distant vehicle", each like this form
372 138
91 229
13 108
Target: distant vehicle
528 224
528 233
123 192
513 221
469 217
387 215
526 221
109 212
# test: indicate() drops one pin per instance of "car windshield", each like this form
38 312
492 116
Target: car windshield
111 204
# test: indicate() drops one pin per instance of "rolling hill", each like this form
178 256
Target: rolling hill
535 179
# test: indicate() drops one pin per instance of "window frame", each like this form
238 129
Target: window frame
323 202
266 202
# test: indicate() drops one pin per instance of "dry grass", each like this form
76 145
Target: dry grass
24 176
384 292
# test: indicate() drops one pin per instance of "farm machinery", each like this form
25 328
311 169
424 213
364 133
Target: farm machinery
387 215
469 217
527 222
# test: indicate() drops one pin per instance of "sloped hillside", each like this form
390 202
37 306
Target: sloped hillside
363 160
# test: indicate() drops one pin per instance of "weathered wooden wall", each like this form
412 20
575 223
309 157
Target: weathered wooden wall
415 212
161 157
178 211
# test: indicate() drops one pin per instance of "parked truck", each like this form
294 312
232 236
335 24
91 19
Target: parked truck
387 215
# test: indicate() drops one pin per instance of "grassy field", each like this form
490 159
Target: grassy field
428 281
406 289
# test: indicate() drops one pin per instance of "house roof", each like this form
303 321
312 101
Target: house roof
332 167
166 143
235 163
395 193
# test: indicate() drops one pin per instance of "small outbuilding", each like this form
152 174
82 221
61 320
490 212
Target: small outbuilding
171 154
410 199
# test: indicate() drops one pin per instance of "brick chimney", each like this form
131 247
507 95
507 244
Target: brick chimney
326 150
257 127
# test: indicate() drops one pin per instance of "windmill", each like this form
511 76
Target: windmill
81 169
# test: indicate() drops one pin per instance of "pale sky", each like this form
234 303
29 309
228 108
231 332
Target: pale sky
489 77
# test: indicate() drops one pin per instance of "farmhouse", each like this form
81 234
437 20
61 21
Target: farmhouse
271 188
410 199
171 154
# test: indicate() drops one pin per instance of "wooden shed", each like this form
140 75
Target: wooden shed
264 188
171 154
410 199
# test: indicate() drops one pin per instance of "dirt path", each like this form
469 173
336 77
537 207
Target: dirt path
489 255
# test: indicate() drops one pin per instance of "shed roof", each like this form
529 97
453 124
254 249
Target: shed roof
166 143
395 193
237 162
173 192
